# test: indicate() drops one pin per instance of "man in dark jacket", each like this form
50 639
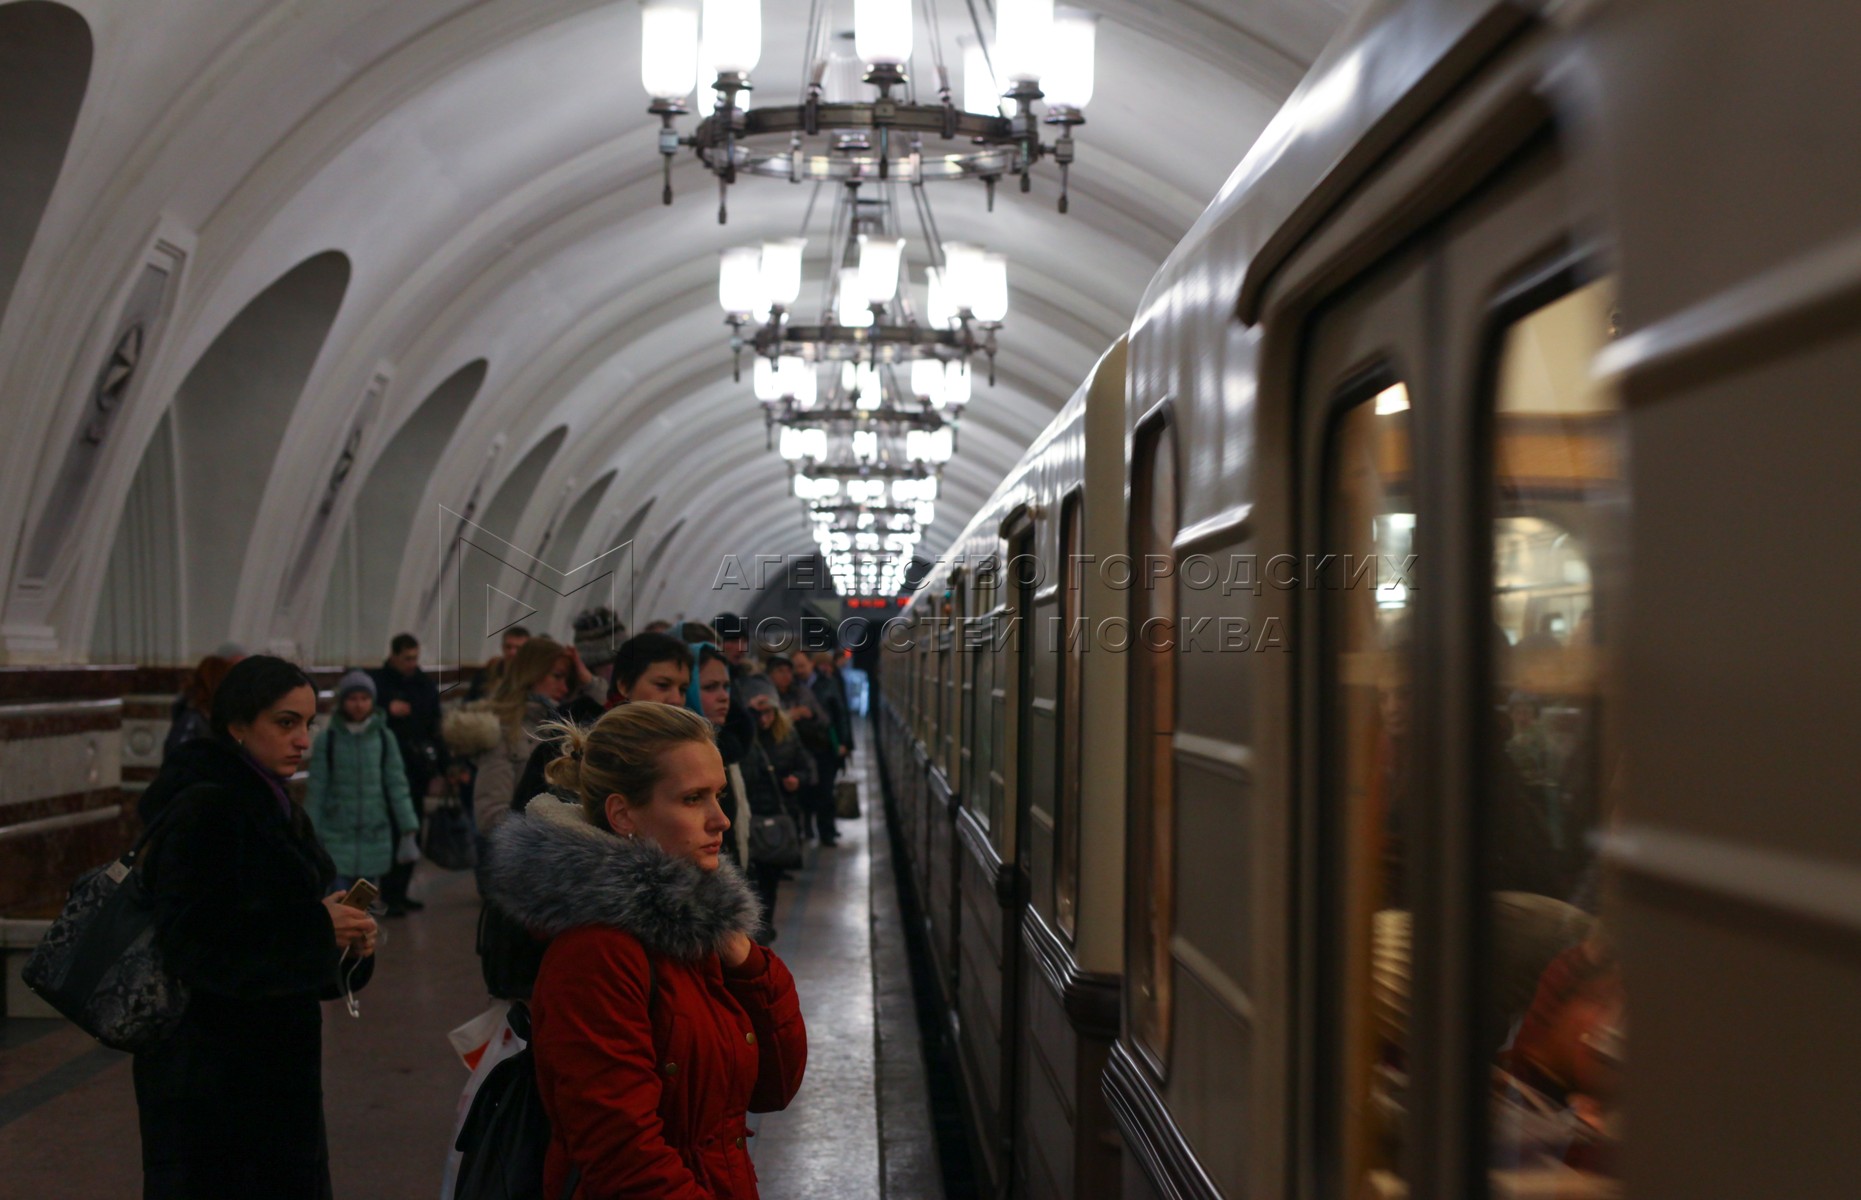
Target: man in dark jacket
733 638
410 698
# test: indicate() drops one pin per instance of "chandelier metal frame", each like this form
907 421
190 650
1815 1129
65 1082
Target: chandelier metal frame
882 138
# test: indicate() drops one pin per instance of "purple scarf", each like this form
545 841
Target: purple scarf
271 781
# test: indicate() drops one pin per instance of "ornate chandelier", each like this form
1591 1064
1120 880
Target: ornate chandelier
861 117
866 318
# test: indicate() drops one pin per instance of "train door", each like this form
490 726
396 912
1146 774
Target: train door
1024 579
1369 368
1463 488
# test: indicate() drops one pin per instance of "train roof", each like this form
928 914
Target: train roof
1375 80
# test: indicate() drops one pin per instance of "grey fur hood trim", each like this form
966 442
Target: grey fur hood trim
554 874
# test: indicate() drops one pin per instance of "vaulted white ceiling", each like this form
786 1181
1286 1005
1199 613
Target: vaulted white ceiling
489 174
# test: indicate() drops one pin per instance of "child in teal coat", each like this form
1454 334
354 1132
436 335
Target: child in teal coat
358 798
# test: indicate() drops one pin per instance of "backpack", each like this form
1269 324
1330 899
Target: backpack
506 1135
508 955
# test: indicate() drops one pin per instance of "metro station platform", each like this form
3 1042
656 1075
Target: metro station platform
860 1127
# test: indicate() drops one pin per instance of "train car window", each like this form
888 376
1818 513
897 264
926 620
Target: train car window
959 693
1553 1011
981 720
1152 748
1371 517
1071 725
934 668
953 737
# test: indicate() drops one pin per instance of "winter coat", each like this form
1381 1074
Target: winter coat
779 760
496 771
830 689
649 1054
185 723
355 779
231 1104
418 732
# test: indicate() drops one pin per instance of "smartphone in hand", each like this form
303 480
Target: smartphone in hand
360 895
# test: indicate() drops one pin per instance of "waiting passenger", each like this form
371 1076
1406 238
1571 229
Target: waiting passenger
733 634
357 797
192 713
775 773
648 666
803 713
231 1103
410 697
528 698
485 679
711 695
656 1022
598 636
820 734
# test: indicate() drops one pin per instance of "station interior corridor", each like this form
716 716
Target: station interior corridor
859 1127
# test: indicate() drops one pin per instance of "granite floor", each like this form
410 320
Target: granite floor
859 1127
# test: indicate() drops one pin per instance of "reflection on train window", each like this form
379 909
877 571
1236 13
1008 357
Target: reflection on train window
1072 662
982 700
1554 1021
1372 519
1153 717
953 709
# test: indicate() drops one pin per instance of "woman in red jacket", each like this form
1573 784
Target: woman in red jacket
657 1022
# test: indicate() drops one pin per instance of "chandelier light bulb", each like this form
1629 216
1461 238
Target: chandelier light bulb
765 380
850 304
1023 34
732 36
927 380
957 385
871 389
981 93
939 309
961 265
794 377
989 301
924 512
781 270
1069 78
879 259
668 50
790 444
882 31
865 444
739 280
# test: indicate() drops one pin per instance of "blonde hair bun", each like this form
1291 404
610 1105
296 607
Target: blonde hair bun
620 753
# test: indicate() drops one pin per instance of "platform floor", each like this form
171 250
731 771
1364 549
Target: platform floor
860 1126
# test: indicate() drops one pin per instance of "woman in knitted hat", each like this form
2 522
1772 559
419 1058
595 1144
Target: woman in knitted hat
358 798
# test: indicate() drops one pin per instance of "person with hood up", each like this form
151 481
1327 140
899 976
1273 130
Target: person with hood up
231 1103
358 798
657 1023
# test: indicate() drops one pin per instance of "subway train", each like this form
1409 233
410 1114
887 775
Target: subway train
1391 735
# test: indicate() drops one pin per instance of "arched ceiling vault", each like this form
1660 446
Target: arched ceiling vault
490 172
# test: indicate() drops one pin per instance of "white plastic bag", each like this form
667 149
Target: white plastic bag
408 849
482 1043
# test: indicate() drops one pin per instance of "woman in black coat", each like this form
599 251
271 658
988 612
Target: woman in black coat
231 1105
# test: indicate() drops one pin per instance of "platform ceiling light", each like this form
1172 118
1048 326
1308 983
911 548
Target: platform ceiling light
861 117
866 314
